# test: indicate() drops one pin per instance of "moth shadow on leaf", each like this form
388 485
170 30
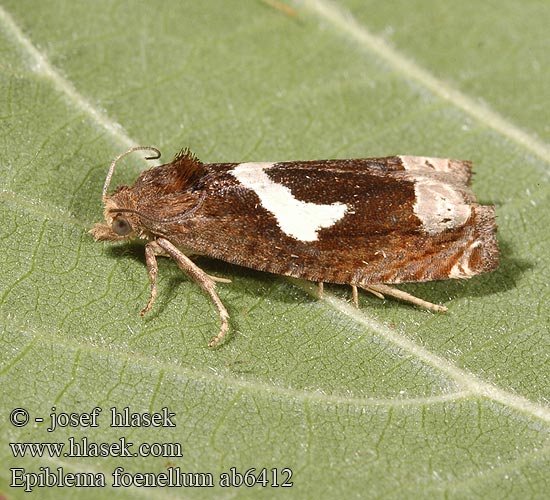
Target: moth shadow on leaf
128 250
254 286
251 285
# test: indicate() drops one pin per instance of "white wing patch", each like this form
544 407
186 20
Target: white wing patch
440 202
298 219
439 206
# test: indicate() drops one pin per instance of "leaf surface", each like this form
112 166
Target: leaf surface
385 401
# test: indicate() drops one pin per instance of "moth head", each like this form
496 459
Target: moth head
121 217
121 221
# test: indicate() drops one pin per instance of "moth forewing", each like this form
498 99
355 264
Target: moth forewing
363 222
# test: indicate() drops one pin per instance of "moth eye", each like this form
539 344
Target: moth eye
121 226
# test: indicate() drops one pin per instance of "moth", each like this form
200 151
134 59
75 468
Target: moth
368 223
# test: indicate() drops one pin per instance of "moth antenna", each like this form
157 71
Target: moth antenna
122 155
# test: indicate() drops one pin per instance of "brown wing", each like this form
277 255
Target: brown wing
405 219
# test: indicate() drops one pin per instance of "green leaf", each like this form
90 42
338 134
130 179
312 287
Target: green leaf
384 401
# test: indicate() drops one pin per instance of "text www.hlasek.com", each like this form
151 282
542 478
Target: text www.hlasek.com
85 448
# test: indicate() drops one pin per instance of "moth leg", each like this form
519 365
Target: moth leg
320 289
151 252
200 278
354 295
218 279
372 290
381 290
